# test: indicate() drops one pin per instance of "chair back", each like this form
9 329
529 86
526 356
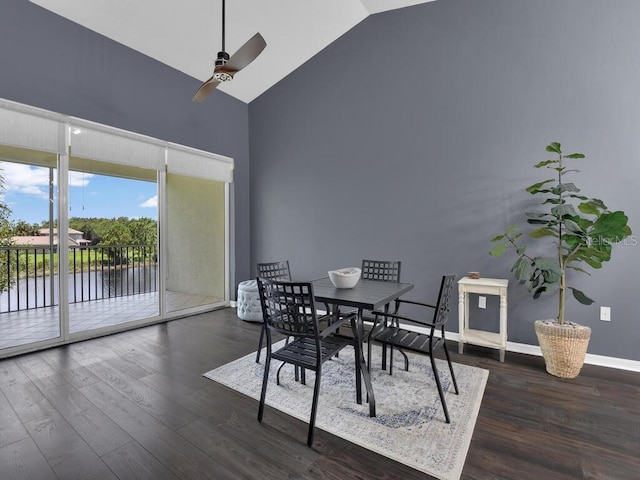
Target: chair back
274 270
288 307
441 314
381 270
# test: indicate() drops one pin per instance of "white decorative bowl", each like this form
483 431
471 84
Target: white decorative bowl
345 277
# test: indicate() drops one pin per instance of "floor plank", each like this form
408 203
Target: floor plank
133 462
22 460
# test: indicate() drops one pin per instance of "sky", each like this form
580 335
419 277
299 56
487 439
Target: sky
26 193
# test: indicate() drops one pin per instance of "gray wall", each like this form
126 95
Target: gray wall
413 136
52 63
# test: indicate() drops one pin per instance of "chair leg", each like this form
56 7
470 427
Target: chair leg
265 380
278 373
314 406
406 360
391 359
439 385
260 343
453 377
384 356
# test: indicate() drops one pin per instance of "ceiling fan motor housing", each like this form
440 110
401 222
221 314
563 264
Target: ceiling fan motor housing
223 57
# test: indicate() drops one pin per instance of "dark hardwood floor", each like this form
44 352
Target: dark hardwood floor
135 406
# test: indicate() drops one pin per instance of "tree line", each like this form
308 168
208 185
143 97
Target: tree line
99 231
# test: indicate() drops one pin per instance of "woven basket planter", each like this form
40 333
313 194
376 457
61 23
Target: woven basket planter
563 346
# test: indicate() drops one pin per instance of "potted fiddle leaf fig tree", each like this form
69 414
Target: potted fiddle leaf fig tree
578 232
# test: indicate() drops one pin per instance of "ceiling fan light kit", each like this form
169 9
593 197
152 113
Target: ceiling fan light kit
226 67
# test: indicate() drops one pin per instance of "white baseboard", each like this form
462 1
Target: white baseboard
590 358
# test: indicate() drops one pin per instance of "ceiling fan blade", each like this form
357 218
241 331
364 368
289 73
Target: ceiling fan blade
206 88
246 54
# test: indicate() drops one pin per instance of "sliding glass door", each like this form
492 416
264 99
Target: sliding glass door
29 253
103 229
196 235
113 245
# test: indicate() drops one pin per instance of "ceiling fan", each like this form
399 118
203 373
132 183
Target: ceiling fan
226 67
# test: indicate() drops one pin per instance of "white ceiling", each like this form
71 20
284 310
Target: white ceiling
187 35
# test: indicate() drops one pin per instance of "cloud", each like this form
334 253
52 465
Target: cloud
151 203
79 179
29 180
19 178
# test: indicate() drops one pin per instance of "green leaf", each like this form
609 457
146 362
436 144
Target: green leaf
539 291
571 241
572 226
498 250
510 228
581 297
574 155
599 251
554 147
544 163
536 186
578 269
566 209
522 269
547 263
579 197
600 203
542 232
568 187
550 269
497 237
611 226
537 214
584 222
589 208
593 263
535 221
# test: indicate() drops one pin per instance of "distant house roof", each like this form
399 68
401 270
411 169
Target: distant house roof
45 231
75 238
43 241
36 241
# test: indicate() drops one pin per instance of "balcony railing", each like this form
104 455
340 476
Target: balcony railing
30 274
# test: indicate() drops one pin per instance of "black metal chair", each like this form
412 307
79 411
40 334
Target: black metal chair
390 332
379 271
272 271
289 309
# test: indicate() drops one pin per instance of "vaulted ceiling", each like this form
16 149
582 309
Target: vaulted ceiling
186 34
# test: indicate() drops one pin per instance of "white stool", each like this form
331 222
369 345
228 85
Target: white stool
249 308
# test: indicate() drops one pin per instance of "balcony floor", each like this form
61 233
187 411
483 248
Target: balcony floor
34 325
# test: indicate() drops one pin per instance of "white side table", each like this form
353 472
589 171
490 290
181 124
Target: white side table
482 286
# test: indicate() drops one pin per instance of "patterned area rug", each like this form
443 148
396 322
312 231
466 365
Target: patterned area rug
410 426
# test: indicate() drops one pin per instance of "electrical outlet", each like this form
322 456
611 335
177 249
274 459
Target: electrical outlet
605 314
482 302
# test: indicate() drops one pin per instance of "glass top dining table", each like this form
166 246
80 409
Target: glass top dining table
366 295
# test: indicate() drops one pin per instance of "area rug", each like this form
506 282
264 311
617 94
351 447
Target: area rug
409 427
